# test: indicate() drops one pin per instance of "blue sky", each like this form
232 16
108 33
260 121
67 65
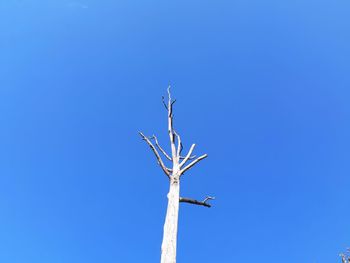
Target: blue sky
261 86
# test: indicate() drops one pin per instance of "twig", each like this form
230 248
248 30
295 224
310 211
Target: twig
208 198
164 103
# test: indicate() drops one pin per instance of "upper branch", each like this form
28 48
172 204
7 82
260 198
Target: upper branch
170 124
179 145
160 148
191 157
159 159
189 166
166 107
188 156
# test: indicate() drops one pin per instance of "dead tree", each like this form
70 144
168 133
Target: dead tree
180 165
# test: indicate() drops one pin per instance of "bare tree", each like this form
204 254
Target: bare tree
180 165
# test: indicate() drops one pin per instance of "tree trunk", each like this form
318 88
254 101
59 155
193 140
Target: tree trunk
171 223
180 166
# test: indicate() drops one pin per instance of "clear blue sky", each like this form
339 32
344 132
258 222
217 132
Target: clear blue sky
261 86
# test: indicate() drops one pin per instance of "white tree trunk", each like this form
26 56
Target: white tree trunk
174 174
171 223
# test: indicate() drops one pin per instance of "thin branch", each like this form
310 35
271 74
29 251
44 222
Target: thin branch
164 103
179 144
170 125
159 159
189 166
196 202
170 104
208 198
169 95
191 157
187 157
160 148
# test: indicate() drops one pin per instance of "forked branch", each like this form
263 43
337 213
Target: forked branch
187 157
189 166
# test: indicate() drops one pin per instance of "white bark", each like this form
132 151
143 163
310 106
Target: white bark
171 224
168 254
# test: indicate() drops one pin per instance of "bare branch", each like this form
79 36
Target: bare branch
159 159
169 95
189 166
164 103
187 157
208 198
191 157
160 148
170 125
169 102
179 144
196 202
